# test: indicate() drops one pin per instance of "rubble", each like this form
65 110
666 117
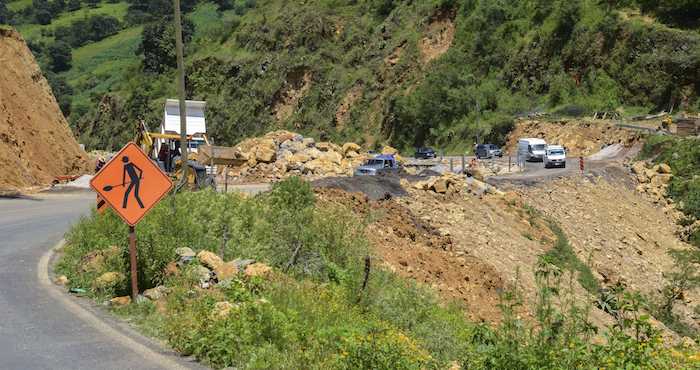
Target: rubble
280 154
579 137
226 270
653 181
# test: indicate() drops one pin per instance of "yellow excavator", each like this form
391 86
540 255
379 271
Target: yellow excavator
197 177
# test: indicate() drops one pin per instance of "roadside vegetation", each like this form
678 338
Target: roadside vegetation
683 156
436 72
322 305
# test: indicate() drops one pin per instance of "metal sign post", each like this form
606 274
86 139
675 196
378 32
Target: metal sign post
131 184
132 258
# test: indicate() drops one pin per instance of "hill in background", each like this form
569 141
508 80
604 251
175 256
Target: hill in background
437 72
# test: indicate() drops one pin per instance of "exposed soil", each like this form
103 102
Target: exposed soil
438 36
36 144
415 249
580 137
287 99
342 114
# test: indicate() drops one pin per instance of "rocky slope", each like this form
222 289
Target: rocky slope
580 137
36 144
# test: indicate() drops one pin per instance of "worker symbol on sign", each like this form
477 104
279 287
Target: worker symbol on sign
134 181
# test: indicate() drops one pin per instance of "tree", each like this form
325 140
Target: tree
61 90
60 56
5 14
93 3
158 44
73 5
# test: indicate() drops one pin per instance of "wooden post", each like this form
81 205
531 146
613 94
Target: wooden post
225 179
464 168
184 147
509 163
452 169
134 272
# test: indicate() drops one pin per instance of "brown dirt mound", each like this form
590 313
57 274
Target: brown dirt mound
580 137
36 144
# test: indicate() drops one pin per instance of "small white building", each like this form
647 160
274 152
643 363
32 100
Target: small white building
196 121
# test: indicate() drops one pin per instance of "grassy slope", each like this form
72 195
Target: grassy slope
19 5
496 60
33 31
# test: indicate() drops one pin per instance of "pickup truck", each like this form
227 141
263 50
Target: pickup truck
379 165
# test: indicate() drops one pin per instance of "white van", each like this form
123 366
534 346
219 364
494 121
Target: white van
555 156
531 149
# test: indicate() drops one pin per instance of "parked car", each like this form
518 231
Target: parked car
532 149
425 153
379 165
555 156
487 151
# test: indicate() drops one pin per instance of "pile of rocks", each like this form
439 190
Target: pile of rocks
653 180
211 271
450 183
281 154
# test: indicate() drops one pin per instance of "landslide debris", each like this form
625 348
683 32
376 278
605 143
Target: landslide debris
624 237
580 137
36 144
281 154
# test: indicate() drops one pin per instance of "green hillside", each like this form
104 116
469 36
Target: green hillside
437 72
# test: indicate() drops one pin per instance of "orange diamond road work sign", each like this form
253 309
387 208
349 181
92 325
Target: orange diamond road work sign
131 183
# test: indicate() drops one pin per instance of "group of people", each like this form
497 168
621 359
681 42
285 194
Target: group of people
168 156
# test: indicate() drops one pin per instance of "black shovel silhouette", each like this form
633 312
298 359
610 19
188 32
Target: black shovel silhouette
110 187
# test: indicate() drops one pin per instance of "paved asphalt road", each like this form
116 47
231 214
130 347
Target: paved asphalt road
36 331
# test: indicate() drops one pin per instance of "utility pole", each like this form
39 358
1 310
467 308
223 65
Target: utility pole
181 92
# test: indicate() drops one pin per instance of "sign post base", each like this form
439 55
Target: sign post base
132 255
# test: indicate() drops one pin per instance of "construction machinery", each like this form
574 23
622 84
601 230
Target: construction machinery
168 157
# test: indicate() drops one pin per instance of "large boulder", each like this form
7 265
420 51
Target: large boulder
156 293
266 151
312 153
209 259
387 150
661 180
351 147
300 158
639 168
257 269
109 280
292 146
120 301
664 168
441 185
226 271
332 156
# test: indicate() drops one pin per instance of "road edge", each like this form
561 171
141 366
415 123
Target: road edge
90 318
